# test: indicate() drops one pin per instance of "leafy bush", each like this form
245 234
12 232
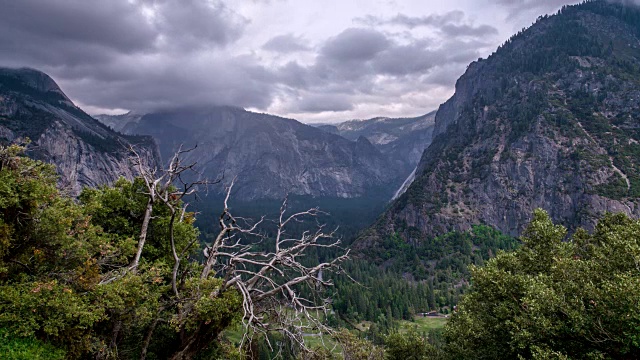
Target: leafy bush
15 348
575 299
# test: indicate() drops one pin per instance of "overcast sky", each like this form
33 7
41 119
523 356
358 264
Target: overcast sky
312 60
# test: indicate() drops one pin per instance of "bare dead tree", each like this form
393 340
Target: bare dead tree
169 187
148 175
269 281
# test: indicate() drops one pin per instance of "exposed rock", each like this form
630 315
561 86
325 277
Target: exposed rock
272 156
548 121
85 152
403 140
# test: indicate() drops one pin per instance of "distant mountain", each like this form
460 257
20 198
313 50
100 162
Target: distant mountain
86 152
120 123
550 120
271 156
403 140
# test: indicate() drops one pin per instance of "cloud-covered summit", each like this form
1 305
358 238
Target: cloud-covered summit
311 60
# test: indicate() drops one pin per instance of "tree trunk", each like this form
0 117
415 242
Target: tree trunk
147 339
194 343
199 339
143 233
113 345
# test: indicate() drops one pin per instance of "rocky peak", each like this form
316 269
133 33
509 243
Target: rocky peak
35 79
548 121
85 152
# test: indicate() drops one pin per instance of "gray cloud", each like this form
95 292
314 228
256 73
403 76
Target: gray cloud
355 44
517 7
150 54
357 59
194 23
177 82
286 44
468 30
120 26
134 54
433 20
365 53
405 60
323 102
69 33
452 23
80 22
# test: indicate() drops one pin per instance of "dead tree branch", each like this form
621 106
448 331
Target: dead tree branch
269 281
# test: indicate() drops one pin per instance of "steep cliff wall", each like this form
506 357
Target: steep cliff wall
272 156
85 152
551 120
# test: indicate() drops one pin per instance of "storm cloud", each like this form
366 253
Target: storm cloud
364 64
287 43
451 23
310 60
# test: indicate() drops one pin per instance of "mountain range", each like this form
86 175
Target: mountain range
269 156
549 120
403 140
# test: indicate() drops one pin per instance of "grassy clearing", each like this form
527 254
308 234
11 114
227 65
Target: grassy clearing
423 324
234 336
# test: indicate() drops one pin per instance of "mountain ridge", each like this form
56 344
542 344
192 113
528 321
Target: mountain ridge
85 152
546 121
403 140
271 156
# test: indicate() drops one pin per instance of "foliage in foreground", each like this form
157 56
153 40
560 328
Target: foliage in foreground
114 274
16 348
555 299
62 266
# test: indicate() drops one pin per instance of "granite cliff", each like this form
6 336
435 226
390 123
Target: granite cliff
550 120
85 152
403 140
271 156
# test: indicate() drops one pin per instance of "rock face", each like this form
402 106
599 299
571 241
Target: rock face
85 152
551 120
403 140
271 156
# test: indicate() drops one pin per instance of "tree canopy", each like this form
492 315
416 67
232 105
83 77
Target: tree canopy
555 299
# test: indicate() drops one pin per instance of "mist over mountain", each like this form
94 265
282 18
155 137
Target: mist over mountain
403 140
270 156
120 123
